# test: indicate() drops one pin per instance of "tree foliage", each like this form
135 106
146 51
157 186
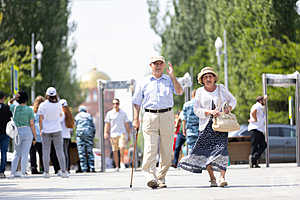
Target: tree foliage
49 21
262 37
11 54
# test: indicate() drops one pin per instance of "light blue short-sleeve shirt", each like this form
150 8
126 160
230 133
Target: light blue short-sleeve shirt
155 93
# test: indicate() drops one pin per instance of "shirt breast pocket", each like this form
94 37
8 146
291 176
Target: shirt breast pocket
166 89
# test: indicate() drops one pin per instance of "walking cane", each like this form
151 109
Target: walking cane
133 158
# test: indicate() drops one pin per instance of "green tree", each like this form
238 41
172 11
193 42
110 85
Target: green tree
182 32
18 55
48 19
11 54
262 37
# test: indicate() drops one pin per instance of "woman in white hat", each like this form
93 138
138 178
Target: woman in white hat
210 151
50 112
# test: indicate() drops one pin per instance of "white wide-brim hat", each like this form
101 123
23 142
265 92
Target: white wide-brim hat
206 70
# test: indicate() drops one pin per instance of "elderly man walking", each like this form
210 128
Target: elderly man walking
155 96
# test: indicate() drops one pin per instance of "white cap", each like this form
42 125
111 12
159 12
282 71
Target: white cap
82 108
63 102
157 58
51 91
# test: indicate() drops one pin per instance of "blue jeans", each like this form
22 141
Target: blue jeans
4 141
180 140
22 149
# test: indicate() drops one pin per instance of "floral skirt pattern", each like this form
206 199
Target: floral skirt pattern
210 149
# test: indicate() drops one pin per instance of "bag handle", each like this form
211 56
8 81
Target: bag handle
225 104
219 95
14 111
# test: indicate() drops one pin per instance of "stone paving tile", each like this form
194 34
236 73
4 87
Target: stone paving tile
278 182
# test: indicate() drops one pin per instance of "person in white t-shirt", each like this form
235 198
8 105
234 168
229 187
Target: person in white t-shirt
256 127
50 113
116 123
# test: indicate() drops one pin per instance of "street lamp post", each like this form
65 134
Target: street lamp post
186 83
39 50
218 45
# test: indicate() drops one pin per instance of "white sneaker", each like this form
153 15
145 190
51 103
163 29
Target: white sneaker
65 175
59 173
16 175
117 169
46 175
12 175
22 175
122 166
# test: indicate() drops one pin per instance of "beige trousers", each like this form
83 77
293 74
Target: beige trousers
158 137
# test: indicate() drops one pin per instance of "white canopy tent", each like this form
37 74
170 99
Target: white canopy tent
281 80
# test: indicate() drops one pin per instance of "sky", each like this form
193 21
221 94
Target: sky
114 36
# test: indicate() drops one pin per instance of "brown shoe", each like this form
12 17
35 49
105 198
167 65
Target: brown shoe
152 184
162 185
222 182
213 183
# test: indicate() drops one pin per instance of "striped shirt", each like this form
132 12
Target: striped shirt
192 121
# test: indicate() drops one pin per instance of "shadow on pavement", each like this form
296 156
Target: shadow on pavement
234 186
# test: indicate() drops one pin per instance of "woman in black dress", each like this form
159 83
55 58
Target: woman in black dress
210 151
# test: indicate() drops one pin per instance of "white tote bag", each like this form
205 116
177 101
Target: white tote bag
225 122
11 129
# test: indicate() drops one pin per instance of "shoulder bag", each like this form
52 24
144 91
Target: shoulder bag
225 122
11 128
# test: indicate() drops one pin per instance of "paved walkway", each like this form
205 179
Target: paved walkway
278 182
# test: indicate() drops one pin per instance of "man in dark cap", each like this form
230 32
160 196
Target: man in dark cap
257 127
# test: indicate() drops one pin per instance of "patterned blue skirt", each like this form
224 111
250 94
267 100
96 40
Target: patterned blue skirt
210 149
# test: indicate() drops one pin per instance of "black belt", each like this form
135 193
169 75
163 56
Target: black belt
158 111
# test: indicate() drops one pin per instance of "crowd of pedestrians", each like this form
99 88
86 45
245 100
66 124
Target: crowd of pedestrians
46 128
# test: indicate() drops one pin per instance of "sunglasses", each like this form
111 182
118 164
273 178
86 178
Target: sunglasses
116 103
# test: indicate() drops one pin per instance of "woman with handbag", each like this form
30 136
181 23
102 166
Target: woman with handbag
24 119
210 151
